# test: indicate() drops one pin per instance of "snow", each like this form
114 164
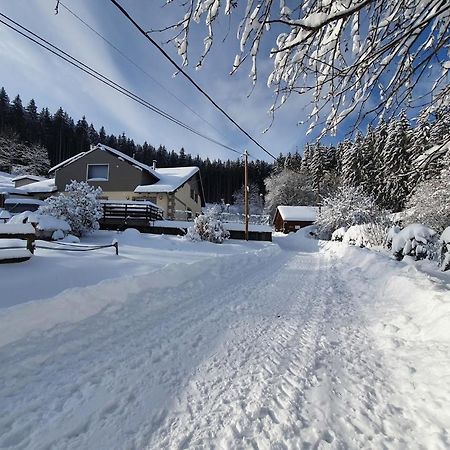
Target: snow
230 226
14 253
410 236
293 344
45 222
23 201
16 228
44 186
170 179
7 185
306 213
445 236
28 177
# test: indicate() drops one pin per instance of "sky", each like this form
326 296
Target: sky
32 72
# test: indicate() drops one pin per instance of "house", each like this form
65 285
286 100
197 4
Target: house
291 218
123 178
23 180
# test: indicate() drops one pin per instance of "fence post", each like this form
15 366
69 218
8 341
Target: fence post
116 245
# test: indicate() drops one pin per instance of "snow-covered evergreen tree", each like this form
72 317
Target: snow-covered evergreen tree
351 162
395 164
22 158
79 205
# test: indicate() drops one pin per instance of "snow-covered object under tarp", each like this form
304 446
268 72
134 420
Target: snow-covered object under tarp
298 213
45 222
414 240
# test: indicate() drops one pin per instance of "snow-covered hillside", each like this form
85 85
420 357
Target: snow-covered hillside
295 344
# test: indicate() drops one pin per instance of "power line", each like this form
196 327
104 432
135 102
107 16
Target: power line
187 76
124 55
105 80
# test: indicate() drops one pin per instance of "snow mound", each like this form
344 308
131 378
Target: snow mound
303 240
130 236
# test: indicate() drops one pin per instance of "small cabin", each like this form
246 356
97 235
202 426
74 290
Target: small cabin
289 219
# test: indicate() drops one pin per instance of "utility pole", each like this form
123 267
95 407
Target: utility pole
246 193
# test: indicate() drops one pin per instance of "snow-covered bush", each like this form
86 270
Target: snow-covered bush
444 250
365 235
346 207
208 227
390 235
416 240
430 201
338 235
79 206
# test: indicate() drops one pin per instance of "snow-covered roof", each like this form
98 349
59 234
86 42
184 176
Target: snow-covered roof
127 158
306 213
69 160
44 186
111 150
7 184
23 201
28 177
170 179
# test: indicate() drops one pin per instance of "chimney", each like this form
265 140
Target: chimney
154 164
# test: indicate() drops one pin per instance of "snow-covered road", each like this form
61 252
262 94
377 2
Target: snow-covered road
271 349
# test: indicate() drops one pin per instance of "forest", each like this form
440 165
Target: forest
388 161
28 135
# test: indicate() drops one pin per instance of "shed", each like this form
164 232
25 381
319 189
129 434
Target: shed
291 218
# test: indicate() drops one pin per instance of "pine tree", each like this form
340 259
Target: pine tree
4 108
396 164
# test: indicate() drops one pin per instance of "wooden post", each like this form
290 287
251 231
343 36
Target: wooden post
246 193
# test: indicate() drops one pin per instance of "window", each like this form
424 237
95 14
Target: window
97 172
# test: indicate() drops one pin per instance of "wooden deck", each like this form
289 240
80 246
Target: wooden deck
128 215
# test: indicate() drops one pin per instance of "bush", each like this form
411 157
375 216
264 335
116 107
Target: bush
79 206
365 235
415 240
207 227
346 207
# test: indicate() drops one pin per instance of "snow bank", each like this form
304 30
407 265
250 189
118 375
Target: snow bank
338 235
74 305
413 297
303 240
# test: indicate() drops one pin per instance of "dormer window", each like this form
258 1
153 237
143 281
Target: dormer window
97 172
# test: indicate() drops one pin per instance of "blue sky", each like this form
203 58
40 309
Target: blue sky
33 73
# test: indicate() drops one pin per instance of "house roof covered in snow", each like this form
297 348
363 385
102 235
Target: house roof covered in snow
170 179
298 213
44 186
110 150
28 177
